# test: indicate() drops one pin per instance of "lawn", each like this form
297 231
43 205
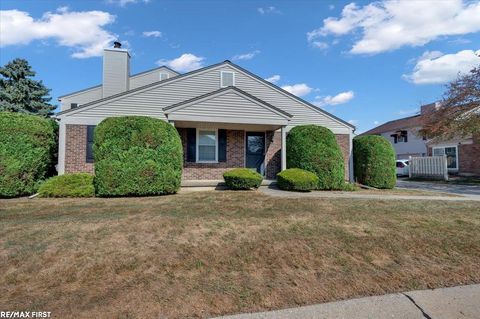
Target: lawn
211 253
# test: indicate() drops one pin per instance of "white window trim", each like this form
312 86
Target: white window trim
160 76
216 145
221 78
456 154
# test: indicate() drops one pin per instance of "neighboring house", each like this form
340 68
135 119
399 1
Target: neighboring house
404 136
463 154
226 116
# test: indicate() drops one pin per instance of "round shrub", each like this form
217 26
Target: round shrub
296 179
137 156
68 185
27 145
374 161
315 149
242 178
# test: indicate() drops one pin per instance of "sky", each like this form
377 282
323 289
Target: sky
365 62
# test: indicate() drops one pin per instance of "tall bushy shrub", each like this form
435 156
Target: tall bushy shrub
315 149
374 161
27 143
137 156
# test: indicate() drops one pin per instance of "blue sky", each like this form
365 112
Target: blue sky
365 62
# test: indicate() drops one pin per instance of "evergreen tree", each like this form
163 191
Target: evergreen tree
20 93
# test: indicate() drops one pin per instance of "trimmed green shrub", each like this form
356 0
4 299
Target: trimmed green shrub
27 144
68 185
296 179
374 161
315 149
137 156
242 178
350 187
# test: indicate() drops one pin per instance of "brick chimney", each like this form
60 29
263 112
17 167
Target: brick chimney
116 70
429 107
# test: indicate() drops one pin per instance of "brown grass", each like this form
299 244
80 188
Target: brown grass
213 253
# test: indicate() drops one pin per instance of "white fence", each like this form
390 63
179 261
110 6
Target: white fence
433 167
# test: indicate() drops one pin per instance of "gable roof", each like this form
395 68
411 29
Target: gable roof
406 122
183 104
131 76
191 73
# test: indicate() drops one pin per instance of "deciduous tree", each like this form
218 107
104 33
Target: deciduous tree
458 113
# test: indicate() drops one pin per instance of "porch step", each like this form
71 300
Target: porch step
217 183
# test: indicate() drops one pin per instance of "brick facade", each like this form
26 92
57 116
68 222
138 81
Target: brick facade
469 157
343 141
214 171
76 140
76 150
273 156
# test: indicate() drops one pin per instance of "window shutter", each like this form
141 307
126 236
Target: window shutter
89 150
191 144
222 145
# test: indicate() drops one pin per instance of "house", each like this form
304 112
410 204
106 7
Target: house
463 154
226 116
404 136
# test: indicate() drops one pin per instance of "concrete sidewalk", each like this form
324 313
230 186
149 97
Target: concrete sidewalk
274 191
444 303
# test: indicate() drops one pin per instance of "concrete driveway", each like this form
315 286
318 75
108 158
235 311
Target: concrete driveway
441 187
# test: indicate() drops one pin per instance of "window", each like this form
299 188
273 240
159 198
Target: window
400 165
73 105
164 76
227 79
403 137
89 150
450 152
207 146
399 137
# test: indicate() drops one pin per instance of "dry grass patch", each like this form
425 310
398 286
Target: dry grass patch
212 253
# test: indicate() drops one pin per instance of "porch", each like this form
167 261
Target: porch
228 129
211 149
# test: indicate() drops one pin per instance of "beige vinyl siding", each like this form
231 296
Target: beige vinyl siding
229 106
116 72
151 101
149 77
81 97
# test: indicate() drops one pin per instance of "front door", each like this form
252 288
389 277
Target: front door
255 151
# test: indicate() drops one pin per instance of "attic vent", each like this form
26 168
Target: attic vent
73 105
227 79
163 76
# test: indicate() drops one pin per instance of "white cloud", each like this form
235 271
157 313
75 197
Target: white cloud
353 122
274 78
340 98
300 89
267 10
155 34
320 45
390 24
435 67
83 31
376 122
246 56
123 3
184 63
